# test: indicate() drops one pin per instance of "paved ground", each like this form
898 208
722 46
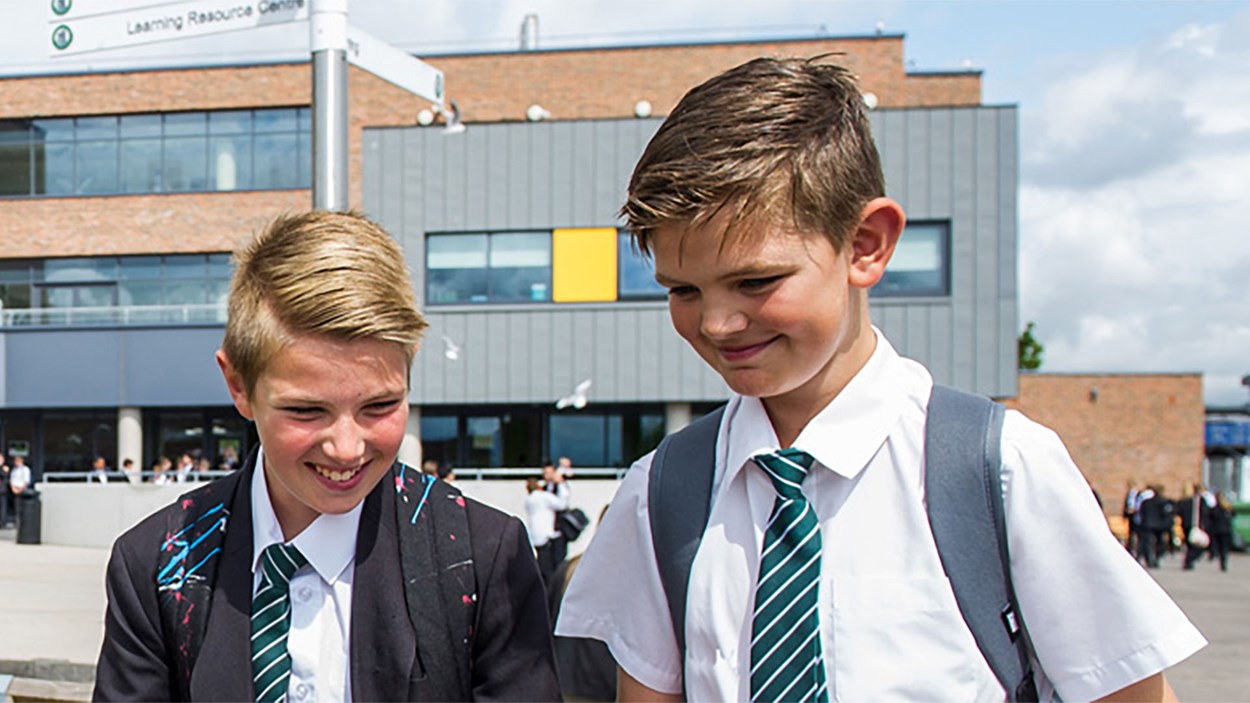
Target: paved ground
53 604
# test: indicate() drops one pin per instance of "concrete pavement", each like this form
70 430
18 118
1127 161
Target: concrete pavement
52 605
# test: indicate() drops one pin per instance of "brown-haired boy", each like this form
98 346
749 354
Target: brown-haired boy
762 200
324 569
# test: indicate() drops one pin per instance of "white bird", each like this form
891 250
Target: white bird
450 349
577 398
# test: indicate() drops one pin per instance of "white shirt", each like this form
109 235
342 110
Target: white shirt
540 513
890 625
19 477
321 595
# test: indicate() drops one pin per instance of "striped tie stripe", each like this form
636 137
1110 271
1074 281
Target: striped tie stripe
271 621
786 659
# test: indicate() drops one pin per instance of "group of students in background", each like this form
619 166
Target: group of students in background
1204 520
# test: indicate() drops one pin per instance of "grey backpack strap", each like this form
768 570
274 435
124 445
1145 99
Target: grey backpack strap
679 498
963 490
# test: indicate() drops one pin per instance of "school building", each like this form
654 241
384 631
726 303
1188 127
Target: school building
122 194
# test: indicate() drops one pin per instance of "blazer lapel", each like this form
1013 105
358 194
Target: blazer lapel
383 647
223 671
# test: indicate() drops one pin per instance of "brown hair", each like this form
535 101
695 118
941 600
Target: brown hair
768 140
331 273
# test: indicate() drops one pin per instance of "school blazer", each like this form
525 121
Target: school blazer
512 654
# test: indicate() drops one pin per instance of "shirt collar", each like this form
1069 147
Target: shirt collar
329 543
844 435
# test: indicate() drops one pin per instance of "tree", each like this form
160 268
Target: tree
1030 350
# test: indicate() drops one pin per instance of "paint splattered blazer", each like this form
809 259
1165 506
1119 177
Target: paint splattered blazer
511 655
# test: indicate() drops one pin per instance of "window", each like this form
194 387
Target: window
636 272
225 150
921 263
500 267
108 281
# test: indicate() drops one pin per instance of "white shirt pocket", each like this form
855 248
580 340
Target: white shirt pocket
897 638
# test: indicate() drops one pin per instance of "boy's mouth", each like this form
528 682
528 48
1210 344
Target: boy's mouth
743 352
338 476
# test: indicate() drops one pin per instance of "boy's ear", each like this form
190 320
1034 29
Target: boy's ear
234 383
871 246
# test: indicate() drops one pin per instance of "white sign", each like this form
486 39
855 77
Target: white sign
394 66
84 26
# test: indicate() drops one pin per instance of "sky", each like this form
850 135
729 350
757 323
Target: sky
1134 136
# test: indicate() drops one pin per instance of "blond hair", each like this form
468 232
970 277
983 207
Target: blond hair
785 141
329 273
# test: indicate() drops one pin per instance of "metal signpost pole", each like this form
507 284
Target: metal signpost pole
328 40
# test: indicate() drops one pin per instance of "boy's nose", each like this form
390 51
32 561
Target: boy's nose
345 445
720 321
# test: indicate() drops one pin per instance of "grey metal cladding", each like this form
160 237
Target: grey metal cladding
949 164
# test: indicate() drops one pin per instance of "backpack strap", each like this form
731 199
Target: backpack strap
186 571
436 559
964 496
679 501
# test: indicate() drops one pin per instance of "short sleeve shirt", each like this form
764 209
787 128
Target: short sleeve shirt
890 625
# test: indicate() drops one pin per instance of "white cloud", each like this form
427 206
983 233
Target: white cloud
1134 199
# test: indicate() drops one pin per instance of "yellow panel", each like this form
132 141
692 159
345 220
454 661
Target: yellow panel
583 265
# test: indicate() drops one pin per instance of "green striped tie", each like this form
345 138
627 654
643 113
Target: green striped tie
786 661
271 620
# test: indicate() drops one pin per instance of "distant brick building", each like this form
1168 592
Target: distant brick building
1146 428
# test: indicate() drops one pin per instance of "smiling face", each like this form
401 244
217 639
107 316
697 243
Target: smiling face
780 315
331 416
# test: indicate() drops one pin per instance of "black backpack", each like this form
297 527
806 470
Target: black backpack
965 507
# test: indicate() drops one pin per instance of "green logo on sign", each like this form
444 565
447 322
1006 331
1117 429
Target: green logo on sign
60 7
62 36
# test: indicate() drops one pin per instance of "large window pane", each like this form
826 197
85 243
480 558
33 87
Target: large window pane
14 295
185 124
185 266
184 293
219 266
131 293
636 273
230 163
140 126
72 440
520 266
276 161
186 164
456 268
15 271
141 166
582 438
485 445
84 269
15 171
920 265
139 267
97 167
55 130
230 122
280 120
439 438
96 128
54 169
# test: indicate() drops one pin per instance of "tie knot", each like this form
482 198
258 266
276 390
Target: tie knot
786 468
279 562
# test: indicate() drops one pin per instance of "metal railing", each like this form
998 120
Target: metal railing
113 316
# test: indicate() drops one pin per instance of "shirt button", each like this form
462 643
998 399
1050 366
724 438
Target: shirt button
304 594
301 691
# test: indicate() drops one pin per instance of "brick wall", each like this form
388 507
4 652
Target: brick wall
1142 427
576 84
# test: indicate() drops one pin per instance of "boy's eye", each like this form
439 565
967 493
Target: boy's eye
758 283
302 410
381 407
682 291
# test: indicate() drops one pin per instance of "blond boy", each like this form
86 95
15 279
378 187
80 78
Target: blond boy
324 569
762 200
